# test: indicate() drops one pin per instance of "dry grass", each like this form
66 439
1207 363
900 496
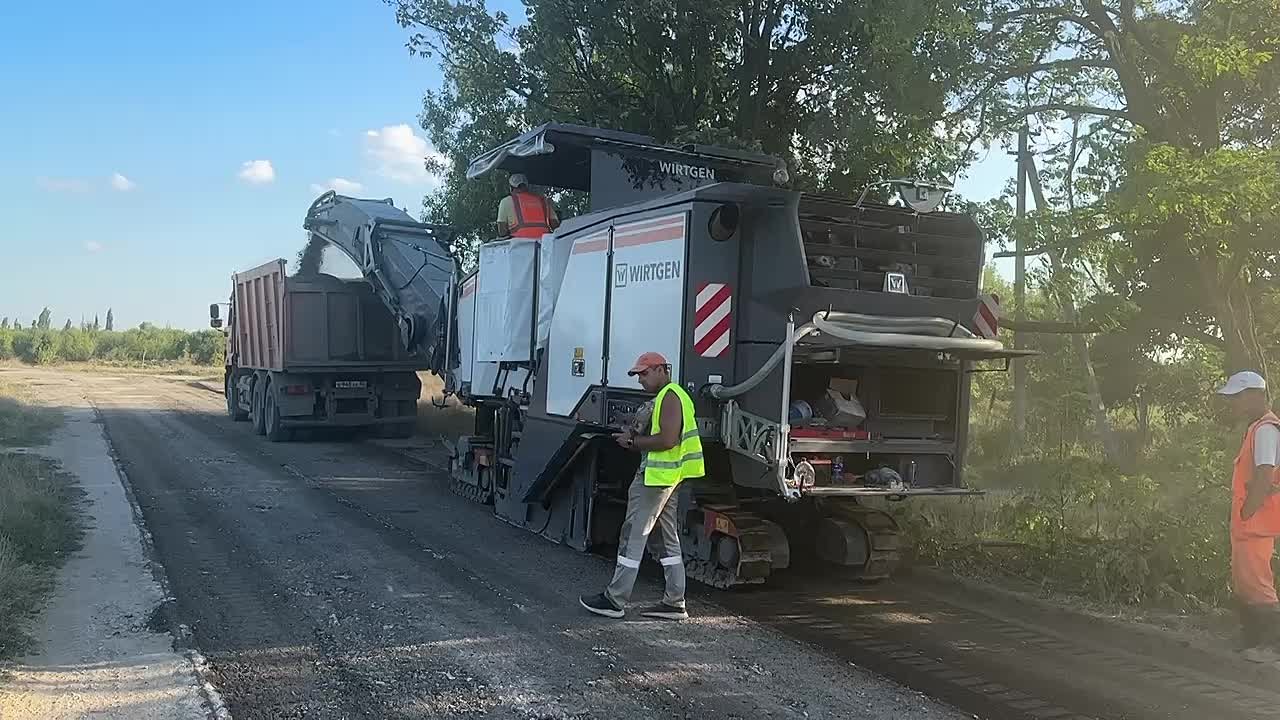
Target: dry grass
139 368
22 423
450 421
39 523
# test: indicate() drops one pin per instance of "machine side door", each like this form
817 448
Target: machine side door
648 279
575 353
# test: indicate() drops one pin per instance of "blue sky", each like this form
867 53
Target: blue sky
148 151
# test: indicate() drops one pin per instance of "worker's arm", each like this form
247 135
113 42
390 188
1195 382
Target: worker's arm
502 226
1265 457
670 419
1258 490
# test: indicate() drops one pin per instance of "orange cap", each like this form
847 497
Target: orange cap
646 361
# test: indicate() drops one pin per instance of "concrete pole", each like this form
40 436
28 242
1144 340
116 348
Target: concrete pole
1020 295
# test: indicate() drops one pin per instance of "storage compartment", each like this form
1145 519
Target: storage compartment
902 403
909 434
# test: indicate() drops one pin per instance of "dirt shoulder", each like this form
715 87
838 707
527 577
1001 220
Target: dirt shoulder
95 651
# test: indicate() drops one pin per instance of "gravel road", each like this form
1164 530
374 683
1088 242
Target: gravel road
331 579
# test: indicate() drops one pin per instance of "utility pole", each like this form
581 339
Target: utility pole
1020 293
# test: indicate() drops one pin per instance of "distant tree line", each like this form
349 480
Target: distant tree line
40 344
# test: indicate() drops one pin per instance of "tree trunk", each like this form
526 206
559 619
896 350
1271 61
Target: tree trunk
1235 318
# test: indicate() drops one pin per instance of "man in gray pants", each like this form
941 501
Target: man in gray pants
669 453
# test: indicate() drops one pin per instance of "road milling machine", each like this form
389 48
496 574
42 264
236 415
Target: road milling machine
827 343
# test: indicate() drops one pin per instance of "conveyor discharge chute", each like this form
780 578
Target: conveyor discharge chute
407 262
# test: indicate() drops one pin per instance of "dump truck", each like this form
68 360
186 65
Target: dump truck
313 351
827 343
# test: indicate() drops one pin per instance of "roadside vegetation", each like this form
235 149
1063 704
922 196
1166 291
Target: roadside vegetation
143 345
1118 490
39 522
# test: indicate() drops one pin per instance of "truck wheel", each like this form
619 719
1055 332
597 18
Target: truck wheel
258 414
233 403
275 431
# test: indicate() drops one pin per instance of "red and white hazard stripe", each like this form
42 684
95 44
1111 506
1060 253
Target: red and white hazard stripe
712 318
987 320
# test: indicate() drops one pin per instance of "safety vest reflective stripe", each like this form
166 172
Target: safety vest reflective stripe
664 468
533 214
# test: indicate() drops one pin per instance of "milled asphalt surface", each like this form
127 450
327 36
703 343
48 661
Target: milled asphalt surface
332 579
98 655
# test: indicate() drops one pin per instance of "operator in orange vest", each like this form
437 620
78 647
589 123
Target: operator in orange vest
525 213
1255 516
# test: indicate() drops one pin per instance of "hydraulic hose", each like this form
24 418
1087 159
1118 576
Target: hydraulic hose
913 333
916 325
903 340
725 392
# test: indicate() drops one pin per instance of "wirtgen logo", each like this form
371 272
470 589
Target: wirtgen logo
625 274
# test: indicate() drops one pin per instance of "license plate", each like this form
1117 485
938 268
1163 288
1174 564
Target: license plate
350 384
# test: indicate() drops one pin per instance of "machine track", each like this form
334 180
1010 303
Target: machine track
470 491
756 539
866 541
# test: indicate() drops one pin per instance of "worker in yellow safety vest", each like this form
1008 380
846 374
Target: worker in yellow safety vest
524 213
665 433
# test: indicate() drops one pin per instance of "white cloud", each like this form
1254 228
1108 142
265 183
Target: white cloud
93 246
397 153
339 185
52 184
122 183
257 172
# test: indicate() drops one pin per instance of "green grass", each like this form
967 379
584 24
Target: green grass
39 520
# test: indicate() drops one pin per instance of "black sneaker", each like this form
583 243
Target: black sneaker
663 611
601 605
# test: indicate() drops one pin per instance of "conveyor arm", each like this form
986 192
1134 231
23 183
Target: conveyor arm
407 262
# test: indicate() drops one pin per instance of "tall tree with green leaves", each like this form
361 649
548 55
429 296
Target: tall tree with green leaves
111 320
1175 162
845 91
45 320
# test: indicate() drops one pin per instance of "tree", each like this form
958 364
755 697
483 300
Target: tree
844 91
4 324
1176 199
95 323
45 319
67 326
110 320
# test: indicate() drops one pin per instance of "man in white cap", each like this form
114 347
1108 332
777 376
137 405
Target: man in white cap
525 213
1255 515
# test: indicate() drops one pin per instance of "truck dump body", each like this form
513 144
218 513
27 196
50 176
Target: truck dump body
310 322
313 350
